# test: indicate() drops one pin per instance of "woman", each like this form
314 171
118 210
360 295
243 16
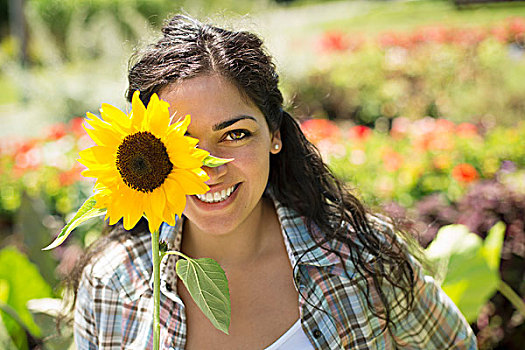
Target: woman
307 267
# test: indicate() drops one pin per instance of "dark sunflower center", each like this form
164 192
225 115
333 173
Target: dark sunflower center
143 161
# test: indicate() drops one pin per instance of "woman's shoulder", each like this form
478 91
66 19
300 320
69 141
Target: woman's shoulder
122 265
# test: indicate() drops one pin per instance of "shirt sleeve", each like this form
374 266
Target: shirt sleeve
97 316
434 322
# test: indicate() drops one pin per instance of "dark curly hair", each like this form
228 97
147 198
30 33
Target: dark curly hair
299 178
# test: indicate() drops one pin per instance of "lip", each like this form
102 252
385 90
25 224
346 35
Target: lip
218 205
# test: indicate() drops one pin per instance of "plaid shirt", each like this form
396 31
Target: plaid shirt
114 308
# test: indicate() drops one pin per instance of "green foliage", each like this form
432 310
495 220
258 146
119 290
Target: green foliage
208 286
379 16
469 266
20 282
493 244
419 158
59 15
5 339
30 229
462 78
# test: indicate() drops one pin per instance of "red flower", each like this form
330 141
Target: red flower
500 33
466 130
391 39
468 36
444 126
359 132
28 157
26 146
436 34
69 177
517 25
334 41
56 131
517 30
320 129
400 128
464 173
75 125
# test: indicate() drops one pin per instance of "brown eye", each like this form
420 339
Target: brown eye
237 135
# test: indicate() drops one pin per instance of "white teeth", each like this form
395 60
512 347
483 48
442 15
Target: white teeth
216 196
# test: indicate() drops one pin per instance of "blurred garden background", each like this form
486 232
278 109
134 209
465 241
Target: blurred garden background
418 105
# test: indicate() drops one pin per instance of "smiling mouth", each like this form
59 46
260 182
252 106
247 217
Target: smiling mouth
216 197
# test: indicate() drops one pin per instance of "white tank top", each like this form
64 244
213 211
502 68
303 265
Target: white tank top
293 339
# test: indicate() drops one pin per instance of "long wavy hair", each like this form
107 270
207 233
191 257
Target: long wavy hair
299 177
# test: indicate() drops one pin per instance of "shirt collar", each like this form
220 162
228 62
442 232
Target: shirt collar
300 244
299 240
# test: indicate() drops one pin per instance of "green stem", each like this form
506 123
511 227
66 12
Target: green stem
173 252
511 295
156 288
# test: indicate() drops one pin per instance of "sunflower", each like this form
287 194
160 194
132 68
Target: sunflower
143 165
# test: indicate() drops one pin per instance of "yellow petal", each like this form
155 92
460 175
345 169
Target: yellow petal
102 133
154 221
154 224
114 212
138 111
115 116
169 214
189 181
132 210
175 196
160 120
178 144
98 154
158 201
201 174
105 176
150 112
200 154
180 127
183 160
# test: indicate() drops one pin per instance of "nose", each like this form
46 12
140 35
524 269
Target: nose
216 174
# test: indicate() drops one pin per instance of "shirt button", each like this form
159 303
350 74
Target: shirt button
317 333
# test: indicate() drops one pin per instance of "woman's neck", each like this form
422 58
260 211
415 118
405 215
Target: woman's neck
239 247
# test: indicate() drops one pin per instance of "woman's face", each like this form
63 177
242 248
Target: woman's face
228 125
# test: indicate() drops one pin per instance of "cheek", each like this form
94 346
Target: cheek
254 164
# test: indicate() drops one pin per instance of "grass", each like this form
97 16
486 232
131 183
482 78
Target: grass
407 15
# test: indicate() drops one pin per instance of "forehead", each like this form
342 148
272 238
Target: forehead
208 97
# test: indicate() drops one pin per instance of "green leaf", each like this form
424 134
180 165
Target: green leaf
212 162
208 286
21 282
469 281
493 244
84 213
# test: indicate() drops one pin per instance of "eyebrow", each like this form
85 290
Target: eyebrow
232 121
